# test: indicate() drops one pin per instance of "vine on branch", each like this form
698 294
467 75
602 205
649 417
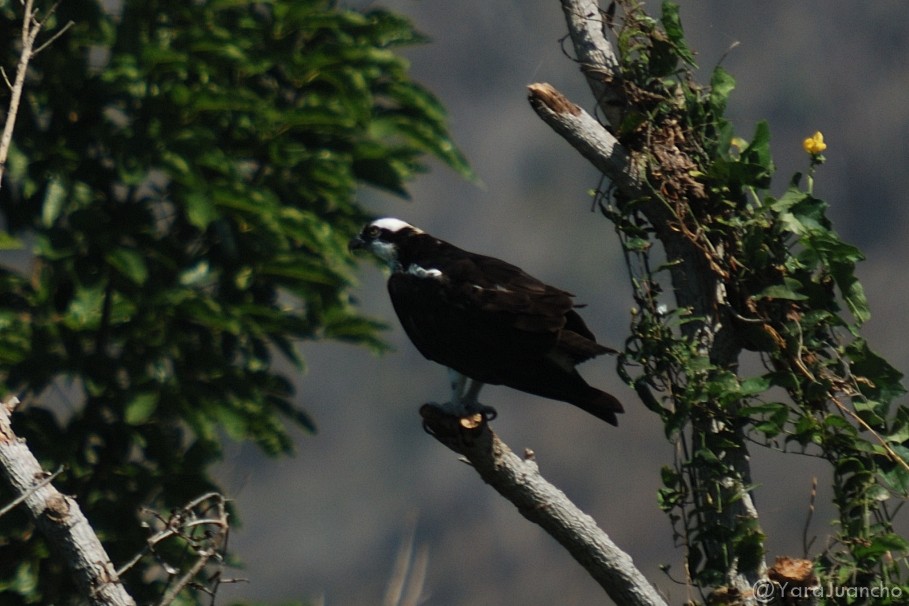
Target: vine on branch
786 289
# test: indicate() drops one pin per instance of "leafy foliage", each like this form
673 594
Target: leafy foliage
788 291
183 177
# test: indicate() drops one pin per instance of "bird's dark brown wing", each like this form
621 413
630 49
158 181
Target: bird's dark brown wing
535 305
486 309
456 325
519 299
514 330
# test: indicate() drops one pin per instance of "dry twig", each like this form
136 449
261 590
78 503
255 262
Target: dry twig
31 27
202 527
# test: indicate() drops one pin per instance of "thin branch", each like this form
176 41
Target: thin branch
892 454
187 578
61 521
31 27
12 504
203 526
519 481
806 544
53 38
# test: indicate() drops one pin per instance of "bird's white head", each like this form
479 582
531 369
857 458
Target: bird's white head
391 225
382 237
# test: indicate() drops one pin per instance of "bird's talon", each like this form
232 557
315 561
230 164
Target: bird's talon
489 413
428 429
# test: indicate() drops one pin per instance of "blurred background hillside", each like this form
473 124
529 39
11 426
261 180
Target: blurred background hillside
326 524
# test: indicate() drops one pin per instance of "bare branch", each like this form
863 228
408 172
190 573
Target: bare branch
53 38
60 520
589 137
31 27
203 526
187 577
12 504
598 60
519 481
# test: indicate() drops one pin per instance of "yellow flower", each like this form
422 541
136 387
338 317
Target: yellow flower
814 144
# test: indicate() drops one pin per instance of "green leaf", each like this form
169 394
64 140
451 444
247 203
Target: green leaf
721 85
808 218
899 429
894 473
140 408
84 311
54 199
790 198
637 244
880 545
341 325
9 242
749 545
788 291
854 295
735 174
200 210
672 24
188 195
758 151
879 380
129 263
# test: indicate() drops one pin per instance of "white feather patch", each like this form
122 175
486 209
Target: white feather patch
393 225
420 272
497 288
385 251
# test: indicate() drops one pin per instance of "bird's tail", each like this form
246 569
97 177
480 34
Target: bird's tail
600 404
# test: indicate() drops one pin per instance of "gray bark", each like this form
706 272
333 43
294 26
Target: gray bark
519 480
697 283
61 521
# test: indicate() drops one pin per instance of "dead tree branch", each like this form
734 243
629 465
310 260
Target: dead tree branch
587 136
599 63
59 518
519 481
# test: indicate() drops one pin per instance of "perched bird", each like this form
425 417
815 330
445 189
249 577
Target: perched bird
486 319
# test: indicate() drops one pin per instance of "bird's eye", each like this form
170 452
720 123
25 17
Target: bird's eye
373 231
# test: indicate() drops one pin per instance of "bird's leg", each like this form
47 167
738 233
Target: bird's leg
473 392
464 399
457 382
473 406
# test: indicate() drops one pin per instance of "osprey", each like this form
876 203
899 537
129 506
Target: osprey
486 319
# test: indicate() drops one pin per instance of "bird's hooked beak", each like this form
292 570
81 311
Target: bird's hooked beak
356 243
